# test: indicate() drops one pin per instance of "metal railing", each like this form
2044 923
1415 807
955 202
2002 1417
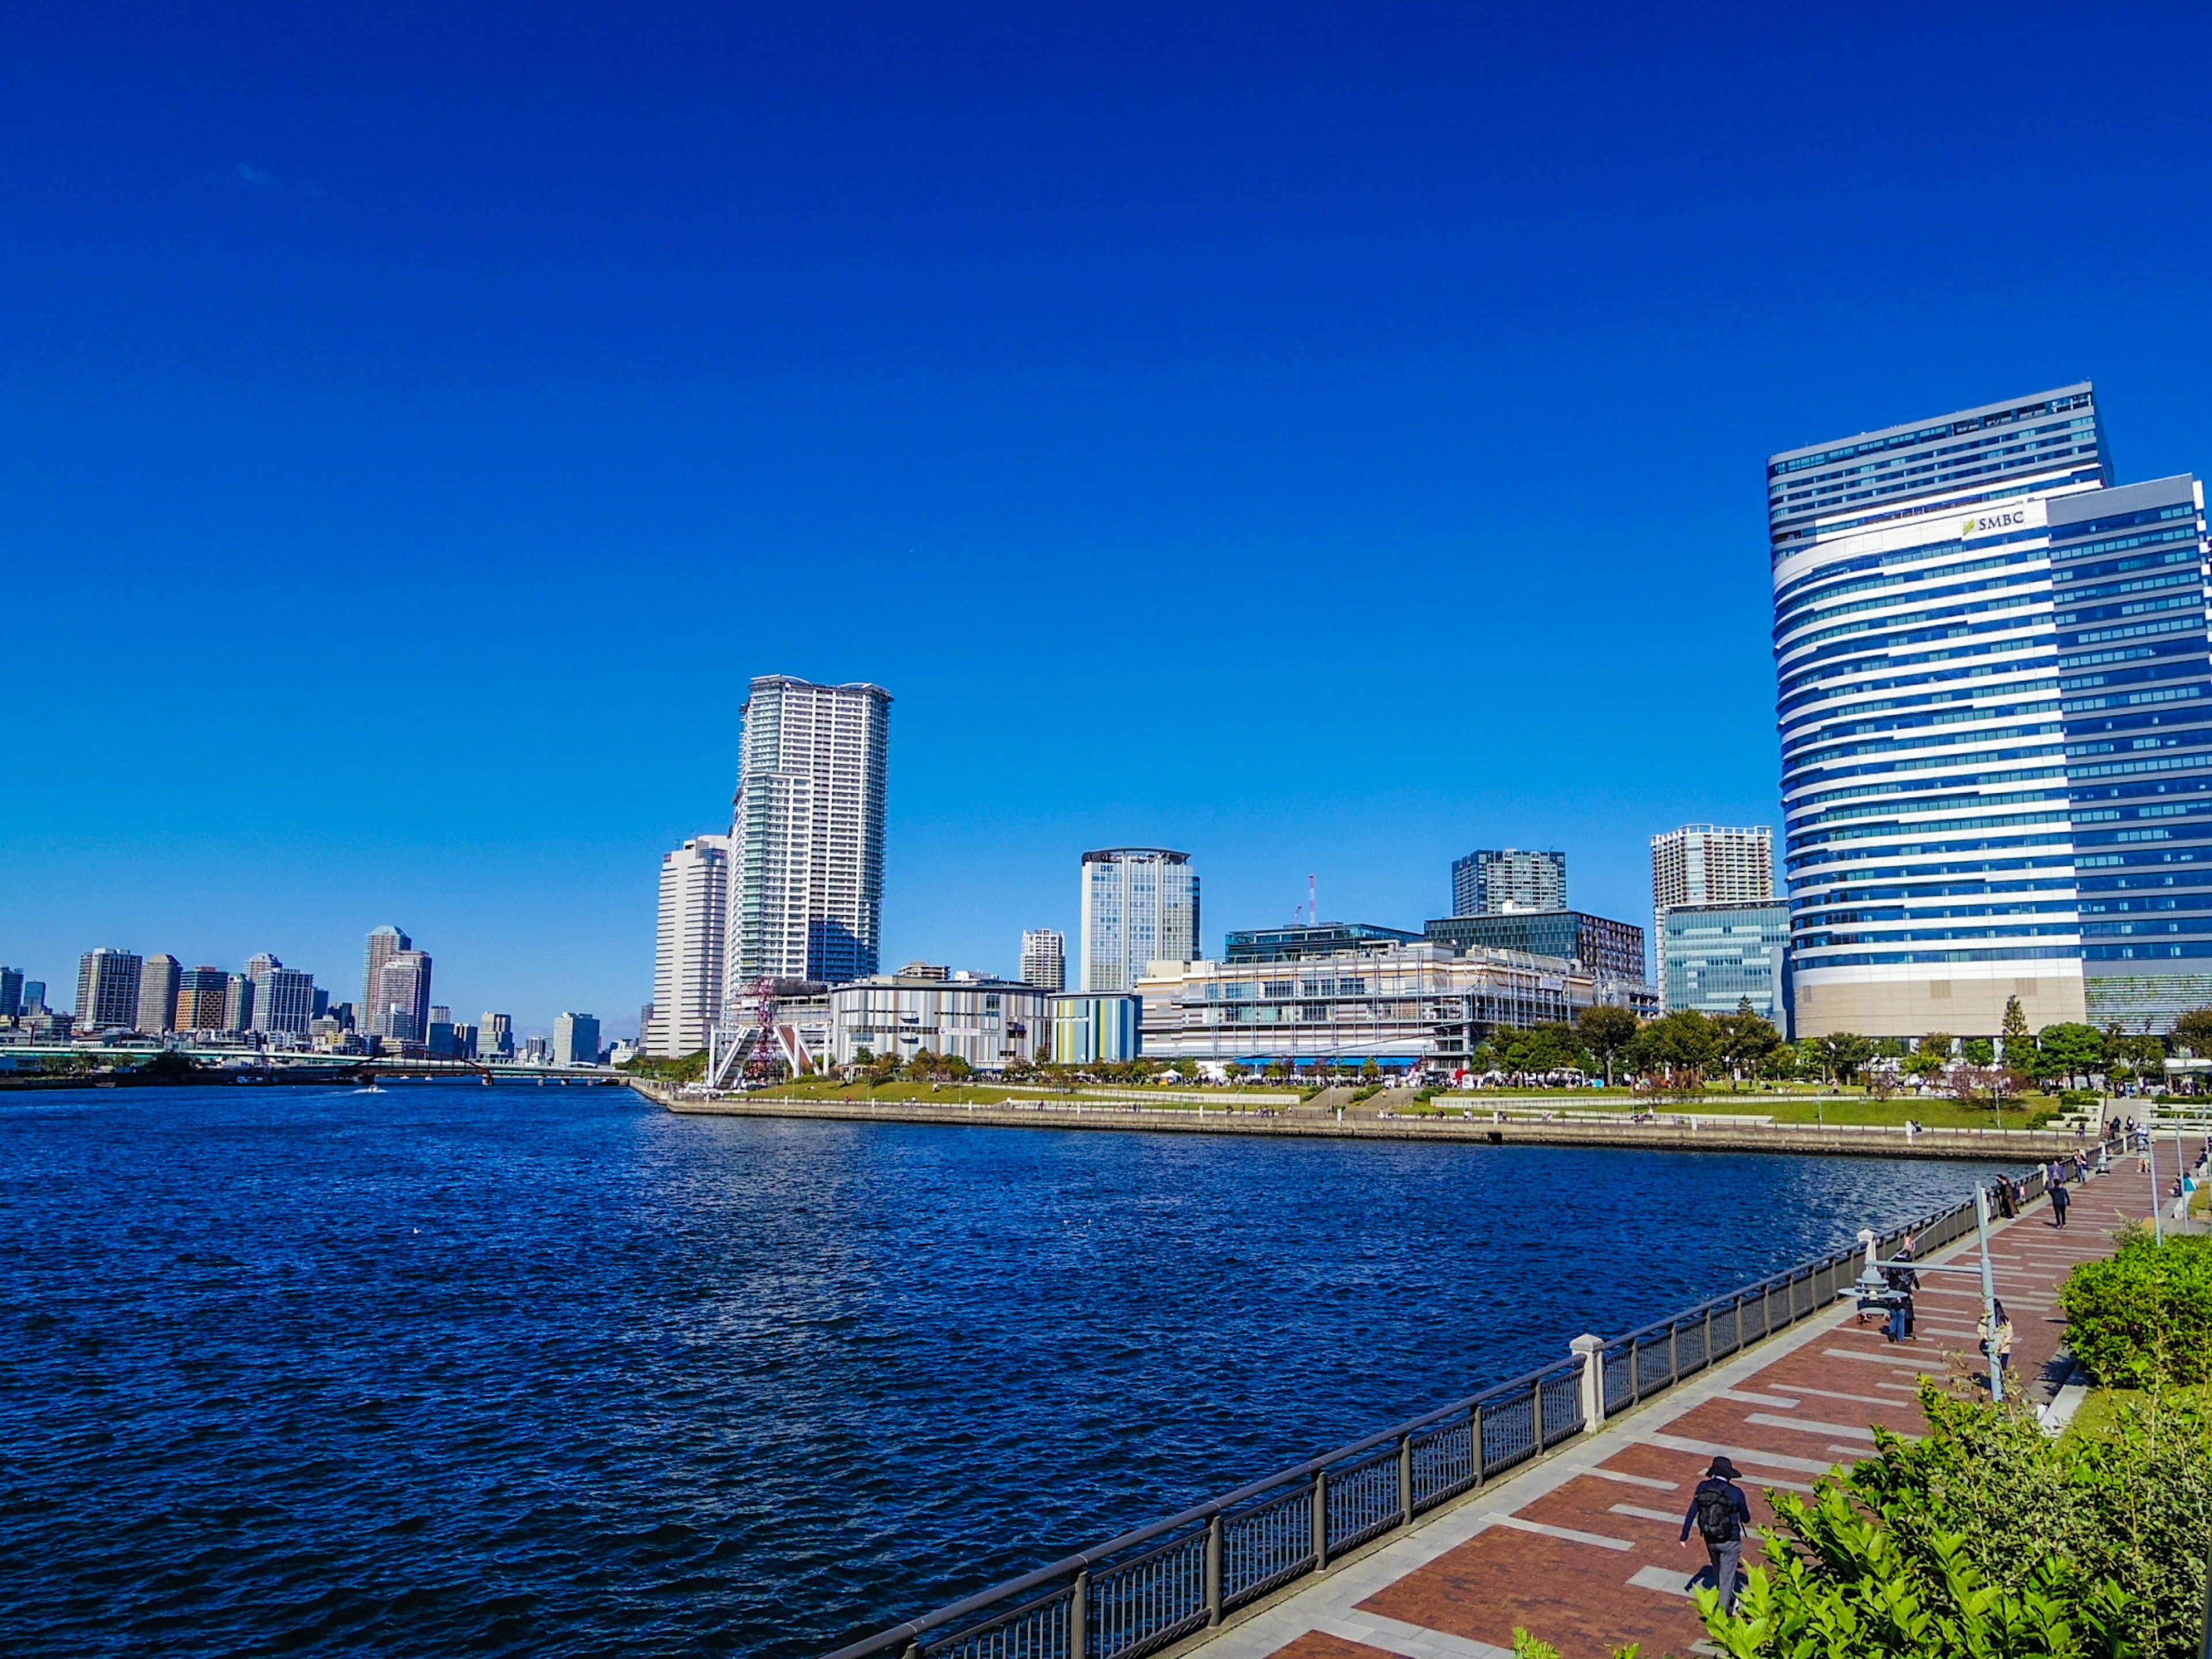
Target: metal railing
1147 1589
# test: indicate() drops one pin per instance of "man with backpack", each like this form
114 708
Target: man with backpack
1720 1512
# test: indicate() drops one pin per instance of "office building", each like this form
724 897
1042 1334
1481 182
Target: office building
441 1014
1718 956
284 999
806 853
576 1040
1139 906
691 947
384 944
202 993
1044 958
1399 1004
237 1003
495 1037
924 970
1502 880
1095 1031
108 990
447 1041
985 1022
157 996
261 963
1995 706
537 1050
403 997
1300 941
1704 863
34 997
11 994
1613 949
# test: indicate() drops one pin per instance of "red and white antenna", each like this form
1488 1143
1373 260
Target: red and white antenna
1313 904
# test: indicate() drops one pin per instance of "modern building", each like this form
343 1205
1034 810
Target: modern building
157 996
1096 1030
924 970
1301 941
11 994
237 1003
402 997
1716 956
691 951
384 944
1995 706
985 1022
108 990
34 996
447 1041
495 1037
1139 906
1044 958
576 1040
1502 880
1400 1005
1704 864
284 999
807 835
1613 949
203 994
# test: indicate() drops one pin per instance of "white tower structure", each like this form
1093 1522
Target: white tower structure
693 939
806 839
1044 958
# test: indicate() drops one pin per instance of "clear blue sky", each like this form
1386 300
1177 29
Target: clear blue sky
1324 438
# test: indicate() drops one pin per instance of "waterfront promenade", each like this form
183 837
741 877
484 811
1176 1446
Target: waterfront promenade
1522 1123
1582 1548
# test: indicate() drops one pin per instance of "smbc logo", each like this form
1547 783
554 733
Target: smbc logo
1989 522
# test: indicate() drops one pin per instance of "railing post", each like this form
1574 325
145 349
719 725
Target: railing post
1079 1616
1673 1350
1635 1371
1405 1480
1591 1350
1739 1322
1320 1519
1474 1443
1709 1334
1536 1410
1214 1528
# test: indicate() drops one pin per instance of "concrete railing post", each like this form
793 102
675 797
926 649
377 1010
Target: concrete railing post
1590 1350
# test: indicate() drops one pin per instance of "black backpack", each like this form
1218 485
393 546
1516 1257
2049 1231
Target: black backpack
1717 1519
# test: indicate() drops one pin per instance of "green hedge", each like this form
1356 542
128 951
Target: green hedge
2143 1315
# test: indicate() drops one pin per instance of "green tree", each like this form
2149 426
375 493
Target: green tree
1931 1057
1605 1032
2067 1050
2013 1030
2193 1031
1370 1073
1744 1039
1979 1051
1683 1044
1842 1054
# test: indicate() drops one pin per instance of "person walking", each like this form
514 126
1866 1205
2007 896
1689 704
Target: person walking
2059 1200
1902 1281
1996 1333
1720 1512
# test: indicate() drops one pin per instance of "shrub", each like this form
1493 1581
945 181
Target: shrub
2143 1315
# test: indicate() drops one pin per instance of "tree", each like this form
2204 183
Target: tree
1682 1044
1933 1054
1978 1051
2067 1050
1842 1053
1976 1085
2193 1031
1605 1032
2013 1030
1744 1039
1370 1073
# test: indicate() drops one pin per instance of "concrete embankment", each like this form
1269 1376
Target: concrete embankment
1686 1132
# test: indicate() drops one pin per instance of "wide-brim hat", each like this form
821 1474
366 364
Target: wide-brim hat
1726 1470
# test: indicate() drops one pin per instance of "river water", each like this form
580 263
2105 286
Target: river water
448 1371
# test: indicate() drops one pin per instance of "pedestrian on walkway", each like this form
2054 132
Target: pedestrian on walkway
1720 1512
2006 1207
2059 1200
1996 1339
1902 1280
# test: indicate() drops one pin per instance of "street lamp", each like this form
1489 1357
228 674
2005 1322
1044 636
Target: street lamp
1872 1287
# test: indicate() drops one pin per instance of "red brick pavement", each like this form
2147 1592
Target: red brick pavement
1597 1562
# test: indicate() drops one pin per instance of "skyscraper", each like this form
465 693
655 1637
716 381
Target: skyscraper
1501 881
1044 958
384 944
1994 704
108 990
807 833
1139 906
11 994
1701 864
689 956
495 1036
237 1003
157 994
283 999
201 993
403 997
576 1040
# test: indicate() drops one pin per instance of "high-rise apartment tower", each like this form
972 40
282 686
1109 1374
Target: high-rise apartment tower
157 994
1044 958
384 944
1704 863
402 997
1139 906
1503 880
806 855
688 956
1995 704
108 990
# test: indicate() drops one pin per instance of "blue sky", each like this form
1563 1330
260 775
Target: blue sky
1324 438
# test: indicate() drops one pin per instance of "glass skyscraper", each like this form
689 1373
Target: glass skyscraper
1139 906
1991 679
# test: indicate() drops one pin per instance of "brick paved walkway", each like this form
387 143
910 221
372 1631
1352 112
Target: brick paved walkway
1582 1549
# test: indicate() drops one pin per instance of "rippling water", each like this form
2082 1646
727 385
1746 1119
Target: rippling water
456 1370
